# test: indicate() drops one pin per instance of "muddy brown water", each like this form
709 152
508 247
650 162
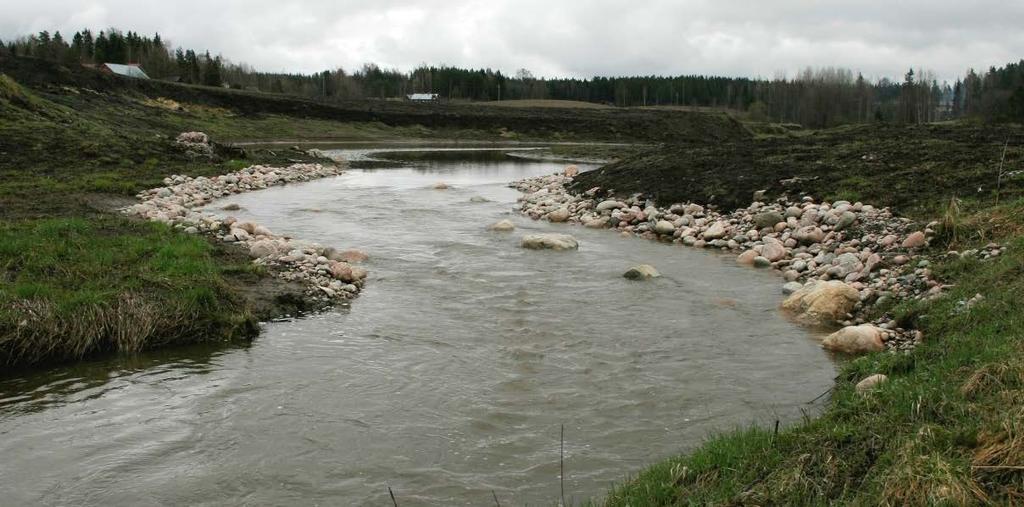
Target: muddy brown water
448 380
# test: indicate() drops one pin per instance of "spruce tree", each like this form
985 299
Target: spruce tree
211 71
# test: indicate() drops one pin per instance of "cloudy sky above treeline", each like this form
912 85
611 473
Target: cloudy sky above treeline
756 38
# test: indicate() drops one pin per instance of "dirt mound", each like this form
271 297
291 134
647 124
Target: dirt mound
907 167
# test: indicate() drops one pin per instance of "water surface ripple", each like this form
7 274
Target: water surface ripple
449 378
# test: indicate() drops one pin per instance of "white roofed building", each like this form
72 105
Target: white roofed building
130 70
423 97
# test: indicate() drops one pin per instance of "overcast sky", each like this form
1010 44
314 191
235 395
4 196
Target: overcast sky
757 38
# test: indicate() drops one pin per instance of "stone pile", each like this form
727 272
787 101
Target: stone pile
855 255
991 251
330 275
194 144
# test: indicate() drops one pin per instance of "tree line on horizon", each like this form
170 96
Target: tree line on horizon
814 98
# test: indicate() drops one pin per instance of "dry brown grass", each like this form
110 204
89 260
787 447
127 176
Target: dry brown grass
994 224
925 477
128 325
998 461
178 107
994 378
560 104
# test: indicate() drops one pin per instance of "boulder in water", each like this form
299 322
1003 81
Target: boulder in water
351 256
559 215
550 242
747 258
503 226
641 272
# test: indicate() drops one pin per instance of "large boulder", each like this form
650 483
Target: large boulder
550 242
559 215
773 250
822 303
246 226
358 273
846 264
768 219
809 235
503 226
846 219
610 205
716 231
239 234
664 227
747 258
342 271
870 383
259 230
351 256
855 340
263 248
641 272
915 240
596 223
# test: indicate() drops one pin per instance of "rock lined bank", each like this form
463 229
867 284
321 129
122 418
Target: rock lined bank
839 259
329 275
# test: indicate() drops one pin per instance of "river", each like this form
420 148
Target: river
448 380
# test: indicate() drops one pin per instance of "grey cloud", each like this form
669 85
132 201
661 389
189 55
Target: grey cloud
578 38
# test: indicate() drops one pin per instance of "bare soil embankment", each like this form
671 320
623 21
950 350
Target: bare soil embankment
914 169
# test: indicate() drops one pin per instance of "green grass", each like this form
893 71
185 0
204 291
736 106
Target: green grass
947 429
75 286
77 278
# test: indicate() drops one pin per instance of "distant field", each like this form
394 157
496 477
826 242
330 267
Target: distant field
564 104
697 109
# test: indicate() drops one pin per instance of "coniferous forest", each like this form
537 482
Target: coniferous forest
814 98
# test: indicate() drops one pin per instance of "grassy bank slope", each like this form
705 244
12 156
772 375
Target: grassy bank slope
948 427
440 119
75 286
76 278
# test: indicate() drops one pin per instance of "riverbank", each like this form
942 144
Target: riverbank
845 263
77 145
944 426
78 278
328 275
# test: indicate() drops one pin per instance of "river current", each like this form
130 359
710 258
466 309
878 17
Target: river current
448 380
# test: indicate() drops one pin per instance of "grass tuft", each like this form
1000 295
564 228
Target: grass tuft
72 287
